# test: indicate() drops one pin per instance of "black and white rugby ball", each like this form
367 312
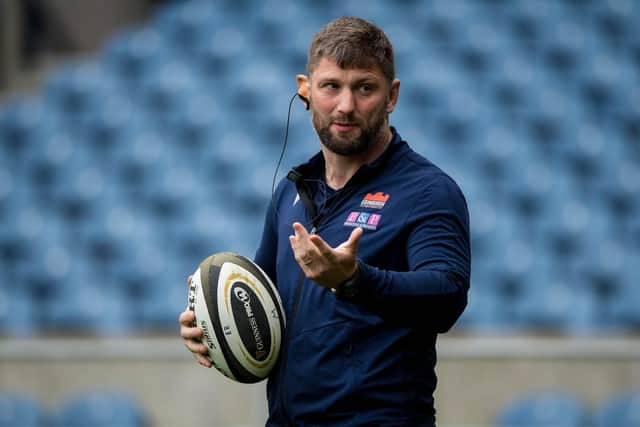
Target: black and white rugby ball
240 311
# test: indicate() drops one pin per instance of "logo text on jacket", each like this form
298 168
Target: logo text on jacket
365 220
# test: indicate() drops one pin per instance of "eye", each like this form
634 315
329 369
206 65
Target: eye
330 86
366 88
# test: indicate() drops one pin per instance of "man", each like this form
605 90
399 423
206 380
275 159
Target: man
368 244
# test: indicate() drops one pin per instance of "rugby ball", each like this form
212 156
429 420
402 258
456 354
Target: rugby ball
240 312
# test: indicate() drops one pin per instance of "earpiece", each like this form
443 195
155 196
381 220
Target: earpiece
305 100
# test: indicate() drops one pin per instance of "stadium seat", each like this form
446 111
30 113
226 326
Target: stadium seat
18 409
614 21
101 408
167 89
185 25
513 84
131 55
563 48
548 408
621 311
18 312
620 410
529 186
77 88
22 122
599 85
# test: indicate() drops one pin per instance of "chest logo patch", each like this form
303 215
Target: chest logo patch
374 200
365 220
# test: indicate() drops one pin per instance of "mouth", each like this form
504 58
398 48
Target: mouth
344 126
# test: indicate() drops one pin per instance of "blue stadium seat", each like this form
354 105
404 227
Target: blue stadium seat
143 162
614 21
222 53
108 124
484 313
480 46
170 195
587 157
89 304
81 193
18 312
621 310
18 409
77 88
132 55
548 408
167 89
599 88
620 410
555 305
196 124
565 223
621 189
102 408
165 297
185 25
22 122
545 119
47 164
443 21
564 48
513 84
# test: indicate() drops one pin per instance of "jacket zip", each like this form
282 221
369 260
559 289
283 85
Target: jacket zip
306 197
285 355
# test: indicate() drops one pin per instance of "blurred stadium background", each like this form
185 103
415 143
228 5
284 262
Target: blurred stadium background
137 137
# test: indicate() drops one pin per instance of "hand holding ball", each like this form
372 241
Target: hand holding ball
241 316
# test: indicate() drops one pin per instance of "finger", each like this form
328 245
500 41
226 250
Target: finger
190 333
203 360
354 240
187 317
300 231
196 347
321 245
189 280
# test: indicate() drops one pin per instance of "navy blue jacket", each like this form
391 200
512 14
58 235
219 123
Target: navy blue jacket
367 360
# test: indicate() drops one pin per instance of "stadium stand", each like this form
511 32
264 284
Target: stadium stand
549 408
20 410
622 409
533 107
100 408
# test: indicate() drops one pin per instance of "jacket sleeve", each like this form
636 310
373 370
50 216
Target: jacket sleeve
266 253
432 294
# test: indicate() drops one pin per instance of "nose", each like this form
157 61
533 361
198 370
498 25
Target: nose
346 102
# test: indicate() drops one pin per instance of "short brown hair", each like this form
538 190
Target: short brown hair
352 43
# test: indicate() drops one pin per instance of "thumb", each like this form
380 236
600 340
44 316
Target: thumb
354 240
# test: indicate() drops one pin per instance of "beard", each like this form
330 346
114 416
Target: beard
371 133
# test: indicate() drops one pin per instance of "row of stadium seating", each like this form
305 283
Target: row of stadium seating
95 408
126 169
110 408
564 408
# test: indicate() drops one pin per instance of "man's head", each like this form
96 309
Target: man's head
350 86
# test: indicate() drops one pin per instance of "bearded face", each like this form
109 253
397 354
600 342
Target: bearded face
348 134
350 107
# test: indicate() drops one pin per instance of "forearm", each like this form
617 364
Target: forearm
427 298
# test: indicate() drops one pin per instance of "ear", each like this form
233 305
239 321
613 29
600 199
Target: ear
303 88
394 93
